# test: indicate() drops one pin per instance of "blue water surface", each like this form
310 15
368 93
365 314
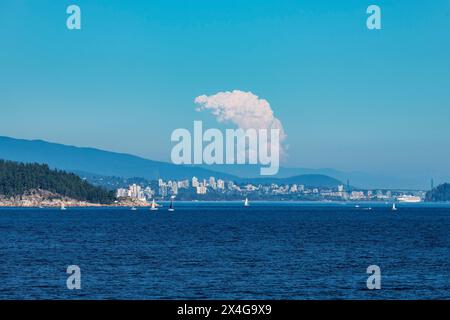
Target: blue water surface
227 251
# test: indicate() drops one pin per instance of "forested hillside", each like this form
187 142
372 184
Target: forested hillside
440 193
18 178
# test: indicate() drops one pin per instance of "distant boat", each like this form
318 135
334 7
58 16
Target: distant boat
153 206
357 206
394 208
246 204
63 207
171 208
133 209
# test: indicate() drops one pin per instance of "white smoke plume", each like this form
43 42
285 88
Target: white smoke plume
244 109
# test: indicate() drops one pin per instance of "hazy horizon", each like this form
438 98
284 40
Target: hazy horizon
357 178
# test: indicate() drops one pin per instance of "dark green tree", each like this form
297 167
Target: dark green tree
18 178
440 193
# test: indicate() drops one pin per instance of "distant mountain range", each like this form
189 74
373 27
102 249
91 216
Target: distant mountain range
105 163
95 161
111 164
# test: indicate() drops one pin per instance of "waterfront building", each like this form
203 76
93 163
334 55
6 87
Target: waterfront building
174 188
184 184
122 193
212 183
220 184
201 189
163 190
194 182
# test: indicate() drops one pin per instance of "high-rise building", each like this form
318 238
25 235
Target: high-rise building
148 192
184 184
220 184
212 182
174 188
163 190
201 189
194 182
122 193
134 190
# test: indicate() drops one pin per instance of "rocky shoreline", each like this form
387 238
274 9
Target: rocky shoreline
46 199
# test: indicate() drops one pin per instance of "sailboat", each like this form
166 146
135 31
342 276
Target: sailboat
394 208
153 206
171 208
133 208
246 204
63 207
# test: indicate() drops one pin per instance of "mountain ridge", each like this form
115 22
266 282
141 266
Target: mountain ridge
115 164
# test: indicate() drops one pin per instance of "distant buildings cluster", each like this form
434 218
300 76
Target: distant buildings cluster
202 187
213 188
135 191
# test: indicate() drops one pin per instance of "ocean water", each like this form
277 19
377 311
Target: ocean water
226 251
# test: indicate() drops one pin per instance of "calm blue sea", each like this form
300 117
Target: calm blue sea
226 251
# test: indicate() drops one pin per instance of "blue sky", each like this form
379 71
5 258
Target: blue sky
348 98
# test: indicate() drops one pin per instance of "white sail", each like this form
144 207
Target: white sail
153 206
246 202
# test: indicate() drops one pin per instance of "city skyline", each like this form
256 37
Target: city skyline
222 189
349 98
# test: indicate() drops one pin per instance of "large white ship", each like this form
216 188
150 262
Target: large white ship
409 198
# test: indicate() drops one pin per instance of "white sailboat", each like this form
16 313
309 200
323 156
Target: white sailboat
171 208
133 208
63 207
153 206
246 204
394 208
